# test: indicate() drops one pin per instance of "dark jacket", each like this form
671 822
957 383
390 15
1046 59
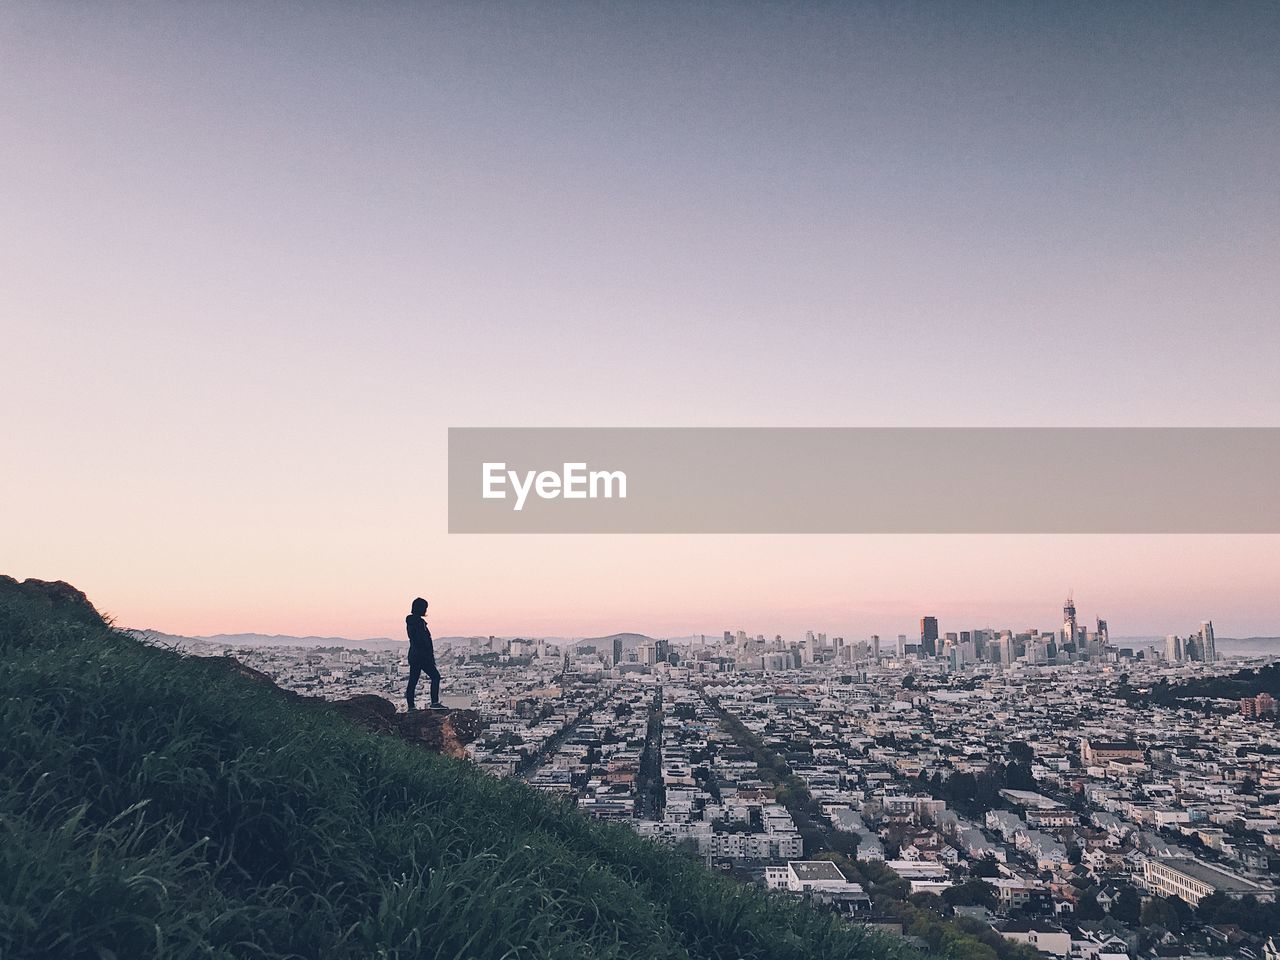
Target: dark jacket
420 650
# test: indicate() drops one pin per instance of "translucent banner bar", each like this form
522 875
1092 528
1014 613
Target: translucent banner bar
864 480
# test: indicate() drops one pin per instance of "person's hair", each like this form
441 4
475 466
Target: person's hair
419 607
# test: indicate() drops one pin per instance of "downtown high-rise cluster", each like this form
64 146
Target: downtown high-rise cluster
1073 642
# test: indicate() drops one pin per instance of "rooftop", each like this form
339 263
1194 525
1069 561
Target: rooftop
1207 873
816 870
1030 799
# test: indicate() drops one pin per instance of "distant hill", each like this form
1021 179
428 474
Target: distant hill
285 640
161 805
272 640
1242 645
629 640
1259 645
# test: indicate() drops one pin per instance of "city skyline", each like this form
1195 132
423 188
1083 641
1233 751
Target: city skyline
931 642
1244 609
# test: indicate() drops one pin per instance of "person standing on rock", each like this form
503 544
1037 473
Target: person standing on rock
422 656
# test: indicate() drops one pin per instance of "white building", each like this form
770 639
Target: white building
1043 935
1193 880
820 879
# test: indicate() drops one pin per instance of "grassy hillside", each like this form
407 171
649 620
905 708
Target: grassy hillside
158 805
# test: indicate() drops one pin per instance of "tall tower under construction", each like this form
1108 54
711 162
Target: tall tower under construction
1069 632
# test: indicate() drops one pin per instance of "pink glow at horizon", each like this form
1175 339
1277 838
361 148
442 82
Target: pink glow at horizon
258 260
851 586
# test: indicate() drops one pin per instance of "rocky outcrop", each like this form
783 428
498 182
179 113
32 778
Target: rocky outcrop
246 671
376 713
446 732
439 731
59 597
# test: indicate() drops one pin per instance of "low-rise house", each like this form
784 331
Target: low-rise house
821 880
1044 935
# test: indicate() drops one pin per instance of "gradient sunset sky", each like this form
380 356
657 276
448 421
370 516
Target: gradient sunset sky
259 257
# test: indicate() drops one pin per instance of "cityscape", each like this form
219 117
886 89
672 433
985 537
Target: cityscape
640 481
1047 792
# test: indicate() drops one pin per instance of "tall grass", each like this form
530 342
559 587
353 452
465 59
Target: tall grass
156 805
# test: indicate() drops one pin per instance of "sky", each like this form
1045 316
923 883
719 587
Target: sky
258 258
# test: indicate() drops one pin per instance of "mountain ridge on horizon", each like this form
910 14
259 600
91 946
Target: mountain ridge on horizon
250 638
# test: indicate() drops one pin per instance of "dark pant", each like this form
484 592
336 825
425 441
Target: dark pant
416 670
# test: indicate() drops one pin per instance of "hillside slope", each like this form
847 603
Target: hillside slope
155 805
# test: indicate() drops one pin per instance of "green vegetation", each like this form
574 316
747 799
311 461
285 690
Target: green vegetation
1233 686
157 805
788 789
1127 908
930 917
975 794
772 767
972 893
1170 913
1260 919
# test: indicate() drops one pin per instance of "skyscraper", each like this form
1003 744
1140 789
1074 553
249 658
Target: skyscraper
1173 648
617 650
928 636
1005 647
1207 643
1069 632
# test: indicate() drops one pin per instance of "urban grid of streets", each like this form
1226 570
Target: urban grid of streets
1083 813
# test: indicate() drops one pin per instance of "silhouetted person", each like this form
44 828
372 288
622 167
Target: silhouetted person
422 656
